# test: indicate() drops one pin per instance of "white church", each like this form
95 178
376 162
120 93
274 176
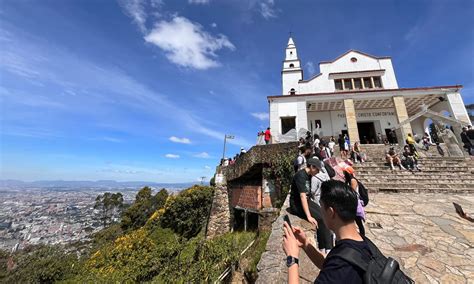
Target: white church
358 94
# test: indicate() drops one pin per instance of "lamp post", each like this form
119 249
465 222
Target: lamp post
225 140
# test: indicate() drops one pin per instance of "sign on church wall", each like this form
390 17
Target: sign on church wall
370 114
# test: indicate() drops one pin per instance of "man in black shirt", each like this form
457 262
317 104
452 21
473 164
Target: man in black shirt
338 206
300 187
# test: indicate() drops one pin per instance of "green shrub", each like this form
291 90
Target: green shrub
42 264
187 213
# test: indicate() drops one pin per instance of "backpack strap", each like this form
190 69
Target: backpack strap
374 251
352 256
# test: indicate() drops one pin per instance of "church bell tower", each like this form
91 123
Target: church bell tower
292 72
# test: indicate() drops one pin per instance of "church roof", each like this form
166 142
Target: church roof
356 51
367 91
291 43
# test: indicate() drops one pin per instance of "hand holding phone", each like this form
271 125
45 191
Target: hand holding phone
286 218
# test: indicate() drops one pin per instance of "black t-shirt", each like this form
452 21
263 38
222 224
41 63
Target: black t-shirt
341 141
337 270
301 184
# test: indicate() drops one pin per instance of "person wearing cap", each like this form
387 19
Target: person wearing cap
305 208
242 150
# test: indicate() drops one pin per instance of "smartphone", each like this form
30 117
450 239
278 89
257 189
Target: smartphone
287 219
459 209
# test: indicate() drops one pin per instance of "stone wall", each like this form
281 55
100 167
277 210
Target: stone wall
249 165
272 265
219 218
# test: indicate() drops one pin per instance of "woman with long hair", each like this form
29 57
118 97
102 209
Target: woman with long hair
352 182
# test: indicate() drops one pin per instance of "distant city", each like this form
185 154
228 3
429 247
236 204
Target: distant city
58 212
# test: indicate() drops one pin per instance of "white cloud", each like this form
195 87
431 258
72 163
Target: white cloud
172 156
214 25
135 9
180 140
310 68
198 1
207 167
203 155
187 44
260 115
110 139
267 10
92 81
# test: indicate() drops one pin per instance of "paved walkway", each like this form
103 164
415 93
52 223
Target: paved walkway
422 231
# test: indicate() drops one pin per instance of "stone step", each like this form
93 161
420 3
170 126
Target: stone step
424 190
420 162
423 182
404 173
439 169
420 186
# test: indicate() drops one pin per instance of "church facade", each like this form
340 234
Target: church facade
358 94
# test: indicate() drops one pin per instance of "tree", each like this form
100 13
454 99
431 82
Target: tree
107 204
144 206
187 213
42 264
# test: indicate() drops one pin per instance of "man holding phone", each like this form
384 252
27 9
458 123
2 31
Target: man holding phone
338 204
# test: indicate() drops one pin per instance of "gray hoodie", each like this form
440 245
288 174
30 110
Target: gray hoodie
316 181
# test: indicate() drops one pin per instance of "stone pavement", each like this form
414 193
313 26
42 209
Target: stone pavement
425 234
422 231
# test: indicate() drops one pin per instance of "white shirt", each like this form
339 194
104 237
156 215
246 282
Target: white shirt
331 145
316 181
301 161
316 143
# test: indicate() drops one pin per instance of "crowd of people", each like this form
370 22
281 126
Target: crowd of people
312 168
325 149
334 205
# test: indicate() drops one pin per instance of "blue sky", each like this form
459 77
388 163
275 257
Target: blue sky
146 89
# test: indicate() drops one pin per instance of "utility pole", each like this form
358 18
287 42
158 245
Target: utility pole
225 141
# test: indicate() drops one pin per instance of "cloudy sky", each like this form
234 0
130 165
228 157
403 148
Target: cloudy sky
146 89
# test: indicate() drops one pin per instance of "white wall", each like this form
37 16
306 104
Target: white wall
457 107
332 122
290 80
323 84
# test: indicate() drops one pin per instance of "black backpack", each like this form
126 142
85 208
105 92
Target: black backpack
363 193
379 269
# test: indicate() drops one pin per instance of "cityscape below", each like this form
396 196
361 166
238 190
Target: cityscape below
59 212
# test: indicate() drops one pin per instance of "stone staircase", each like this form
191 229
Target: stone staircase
438 174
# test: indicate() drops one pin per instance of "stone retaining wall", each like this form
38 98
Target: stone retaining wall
219 218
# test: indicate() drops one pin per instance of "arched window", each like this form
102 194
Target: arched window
292 65
292 91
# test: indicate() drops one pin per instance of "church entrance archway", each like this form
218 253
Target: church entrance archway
367 134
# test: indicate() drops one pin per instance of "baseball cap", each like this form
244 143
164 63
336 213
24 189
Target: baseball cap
315 162
349 170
